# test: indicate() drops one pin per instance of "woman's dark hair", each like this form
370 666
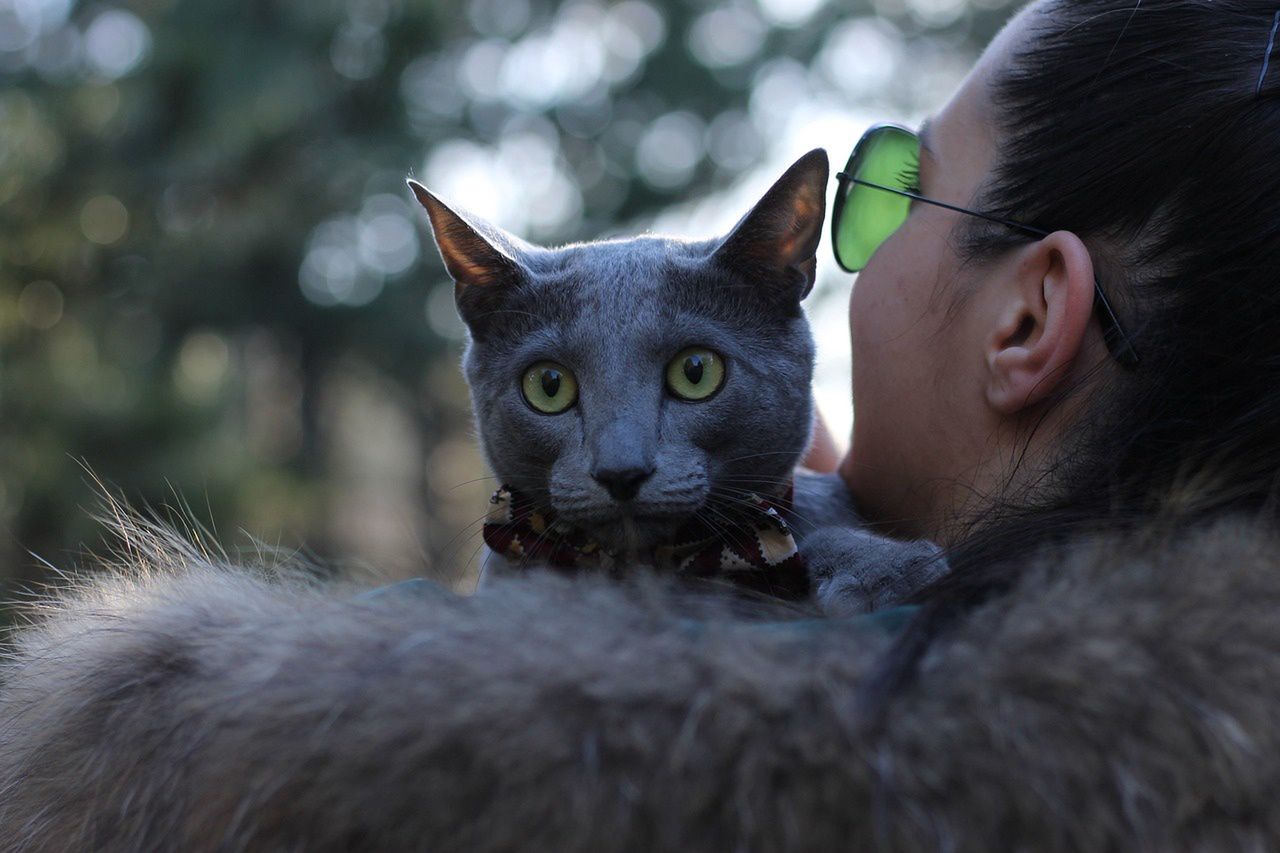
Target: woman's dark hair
1140 126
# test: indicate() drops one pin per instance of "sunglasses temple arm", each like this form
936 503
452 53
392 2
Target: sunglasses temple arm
1113 336
1118 343
1017 226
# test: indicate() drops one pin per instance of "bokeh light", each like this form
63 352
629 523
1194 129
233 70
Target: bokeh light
670 149
116 43
40 305
727 35
104 219
202 366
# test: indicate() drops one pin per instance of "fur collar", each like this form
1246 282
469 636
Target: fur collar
1125 695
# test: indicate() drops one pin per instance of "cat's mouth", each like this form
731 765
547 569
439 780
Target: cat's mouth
633 532
629 528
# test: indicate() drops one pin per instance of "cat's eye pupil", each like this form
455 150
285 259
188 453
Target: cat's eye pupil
551 382
548 387
693 369
695 374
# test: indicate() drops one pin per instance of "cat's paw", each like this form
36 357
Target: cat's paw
853 571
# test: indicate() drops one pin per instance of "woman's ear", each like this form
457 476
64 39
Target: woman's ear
1041 323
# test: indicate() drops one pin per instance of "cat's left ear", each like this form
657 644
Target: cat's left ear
775 245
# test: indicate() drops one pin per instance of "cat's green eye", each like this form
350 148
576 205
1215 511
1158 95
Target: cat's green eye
549 387
695 373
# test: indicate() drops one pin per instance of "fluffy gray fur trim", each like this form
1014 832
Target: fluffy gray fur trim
1125 696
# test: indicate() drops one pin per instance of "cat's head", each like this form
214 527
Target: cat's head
633 384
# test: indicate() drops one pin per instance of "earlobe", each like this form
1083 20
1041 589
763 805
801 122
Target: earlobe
1041 320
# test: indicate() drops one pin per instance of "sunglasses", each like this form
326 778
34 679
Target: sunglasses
876 189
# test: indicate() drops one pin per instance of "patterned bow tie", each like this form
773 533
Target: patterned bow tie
754 549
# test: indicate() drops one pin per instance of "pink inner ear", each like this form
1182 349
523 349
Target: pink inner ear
470 259
805 206
470 272
801 229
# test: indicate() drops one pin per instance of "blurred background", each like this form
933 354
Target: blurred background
215 293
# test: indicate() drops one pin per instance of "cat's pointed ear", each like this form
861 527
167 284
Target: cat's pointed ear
480 259
776 243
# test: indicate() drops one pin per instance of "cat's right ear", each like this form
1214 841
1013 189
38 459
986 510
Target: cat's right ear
482 269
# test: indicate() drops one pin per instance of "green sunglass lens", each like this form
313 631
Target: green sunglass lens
888 157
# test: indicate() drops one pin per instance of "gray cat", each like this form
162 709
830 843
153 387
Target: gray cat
646 401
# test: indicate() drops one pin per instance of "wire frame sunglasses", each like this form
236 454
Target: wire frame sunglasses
876 189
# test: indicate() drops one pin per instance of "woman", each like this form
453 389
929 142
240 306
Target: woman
1097 148
1080 306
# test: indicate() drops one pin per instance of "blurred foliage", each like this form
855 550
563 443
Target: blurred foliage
213 289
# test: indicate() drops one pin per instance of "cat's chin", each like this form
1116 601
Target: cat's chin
634 534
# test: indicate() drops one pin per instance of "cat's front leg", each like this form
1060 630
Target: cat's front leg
854 571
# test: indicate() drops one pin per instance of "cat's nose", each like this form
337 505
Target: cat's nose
622 484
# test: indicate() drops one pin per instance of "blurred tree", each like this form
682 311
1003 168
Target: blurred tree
213 288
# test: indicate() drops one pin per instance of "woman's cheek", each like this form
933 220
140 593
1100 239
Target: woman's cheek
867 374
862 315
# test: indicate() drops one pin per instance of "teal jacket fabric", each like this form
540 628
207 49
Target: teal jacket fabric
891 620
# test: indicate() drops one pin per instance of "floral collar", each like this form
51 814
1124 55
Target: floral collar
755 549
